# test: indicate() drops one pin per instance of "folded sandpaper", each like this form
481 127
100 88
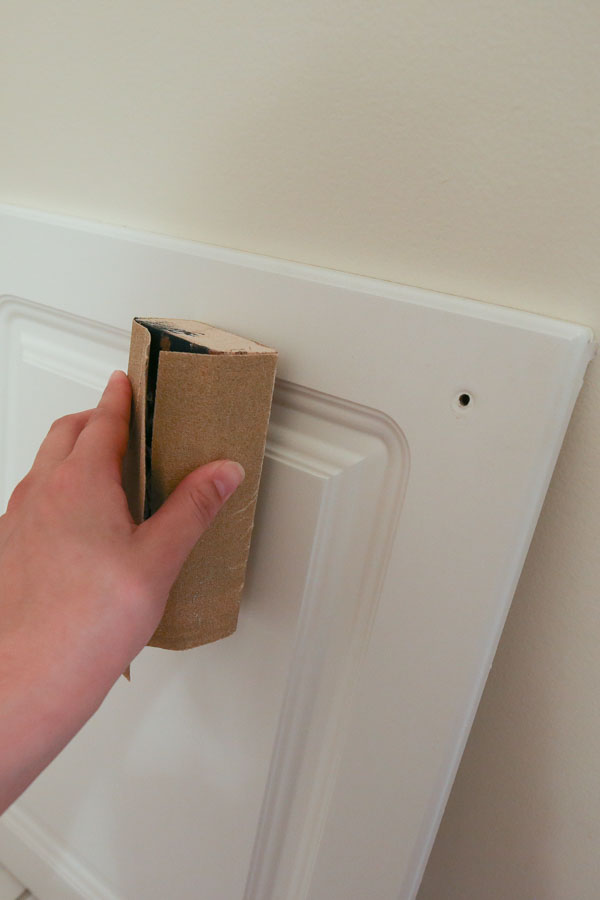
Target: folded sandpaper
199 394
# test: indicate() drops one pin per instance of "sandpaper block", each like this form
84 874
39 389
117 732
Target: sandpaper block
199 394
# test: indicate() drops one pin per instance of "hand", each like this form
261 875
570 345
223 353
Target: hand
82 588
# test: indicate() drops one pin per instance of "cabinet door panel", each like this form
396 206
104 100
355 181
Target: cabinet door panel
309 755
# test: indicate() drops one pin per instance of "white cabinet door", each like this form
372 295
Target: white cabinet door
309 755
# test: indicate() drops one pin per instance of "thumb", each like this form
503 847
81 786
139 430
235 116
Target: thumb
171 533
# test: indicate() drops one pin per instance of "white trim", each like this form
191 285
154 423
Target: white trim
316 274
48 867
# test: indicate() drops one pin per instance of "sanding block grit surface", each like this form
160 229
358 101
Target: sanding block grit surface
199 394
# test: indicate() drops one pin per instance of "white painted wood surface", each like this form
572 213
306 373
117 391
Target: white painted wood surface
308 756
10 888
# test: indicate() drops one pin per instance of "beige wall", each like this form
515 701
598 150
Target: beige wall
449 144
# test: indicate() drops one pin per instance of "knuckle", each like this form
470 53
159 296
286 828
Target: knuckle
20 492
109 418
78 417
205 502
58 424
64 422
23 485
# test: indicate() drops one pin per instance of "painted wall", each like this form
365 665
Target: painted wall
450 145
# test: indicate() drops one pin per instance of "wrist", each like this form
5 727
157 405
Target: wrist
46 695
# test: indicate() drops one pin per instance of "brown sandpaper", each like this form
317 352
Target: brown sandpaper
199 394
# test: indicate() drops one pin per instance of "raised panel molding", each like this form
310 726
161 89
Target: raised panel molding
50 864
54 350
361 458
365 489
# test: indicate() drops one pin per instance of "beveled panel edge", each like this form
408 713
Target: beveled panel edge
275 870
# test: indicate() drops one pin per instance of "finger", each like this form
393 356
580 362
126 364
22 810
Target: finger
167 537
60 439
103 441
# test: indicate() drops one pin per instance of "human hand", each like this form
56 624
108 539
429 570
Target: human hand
82 588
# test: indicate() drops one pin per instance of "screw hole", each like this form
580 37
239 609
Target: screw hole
464 399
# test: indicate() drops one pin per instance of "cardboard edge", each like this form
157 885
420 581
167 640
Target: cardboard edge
134 464
192 330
